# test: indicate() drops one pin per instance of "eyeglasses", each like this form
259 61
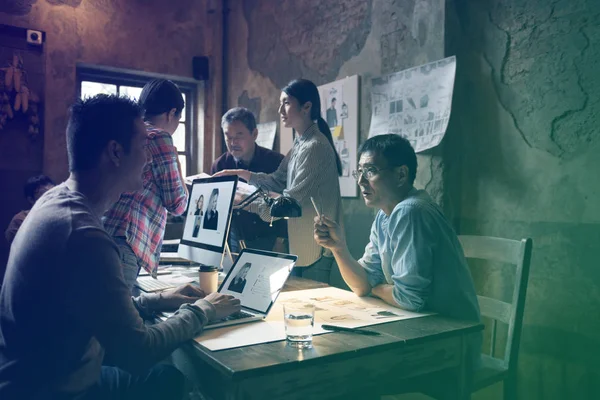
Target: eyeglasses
368 172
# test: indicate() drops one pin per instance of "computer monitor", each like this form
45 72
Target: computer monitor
207 221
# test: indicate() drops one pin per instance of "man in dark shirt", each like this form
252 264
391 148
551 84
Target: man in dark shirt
64 302
239 126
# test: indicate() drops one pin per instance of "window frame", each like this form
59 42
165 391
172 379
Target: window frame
125 77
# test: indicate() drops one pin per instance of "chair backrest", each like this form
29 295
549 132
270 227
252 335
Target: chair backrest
507 251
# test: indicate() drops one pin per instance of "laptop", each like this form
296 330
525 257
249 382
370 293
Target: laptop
256 278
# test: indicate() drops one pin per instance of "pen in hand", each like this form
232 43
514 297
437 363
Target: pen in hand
316 208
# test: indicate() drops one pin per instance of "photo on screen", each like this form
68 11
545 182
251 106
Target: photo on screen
257 279
209 212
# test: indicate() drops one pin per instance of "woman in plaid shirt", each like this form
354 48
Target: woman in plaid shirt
137 221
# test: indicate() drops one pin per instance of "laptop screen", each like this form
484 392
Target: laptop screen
257 277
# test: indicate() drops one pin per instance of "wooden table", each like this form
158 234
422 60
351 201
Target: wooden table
340 365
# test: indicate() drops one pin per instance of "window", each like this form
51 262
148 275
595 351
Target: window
96 80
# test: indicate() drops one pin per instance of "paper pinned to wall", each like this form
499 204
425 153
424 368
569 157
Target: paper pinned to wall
414 103
340 109
266 134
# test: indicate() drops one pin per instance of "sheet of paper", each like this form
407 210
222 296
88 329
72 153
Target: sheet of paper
190 178
332 306
414 103
245 189
266 134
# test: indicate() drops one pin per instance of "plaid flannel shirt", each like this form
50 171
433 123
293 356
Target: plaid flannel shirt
141 216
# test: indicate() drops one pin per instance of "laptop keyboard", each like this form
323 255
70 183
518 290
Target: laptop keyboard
149 284
238 315
233 317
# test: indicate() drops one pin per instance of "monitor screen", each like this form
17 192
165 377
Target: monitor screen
209 213
257 277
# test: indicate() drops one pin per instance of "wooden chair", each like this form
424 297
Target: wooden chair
516 252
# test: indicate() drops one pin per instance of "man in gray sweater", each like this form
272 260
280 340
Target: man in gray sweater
64 301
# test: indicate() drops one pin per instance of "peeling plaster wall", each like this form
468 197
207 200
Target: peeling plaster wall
526 104
273 43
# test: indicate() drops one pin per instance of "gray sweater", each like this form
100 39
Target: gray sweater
309 169
64 303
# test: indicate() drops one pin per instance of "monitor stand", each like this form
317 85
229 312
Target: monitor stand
228 259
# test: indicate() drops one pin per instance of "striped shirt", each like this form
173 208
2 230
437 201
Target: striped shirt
141 216
308 170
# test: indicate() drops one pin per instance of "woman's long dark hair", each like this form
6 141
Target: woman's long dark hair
160 96
304 90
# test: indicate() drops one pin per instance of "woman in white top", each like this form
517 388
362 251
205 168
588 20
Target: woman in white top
310 169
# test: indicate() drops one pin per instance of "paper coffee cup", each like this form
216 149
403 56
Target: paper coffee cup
208 277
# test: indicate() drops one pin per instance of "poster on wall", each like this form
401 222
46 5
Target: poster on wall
414 103
339 108
266 134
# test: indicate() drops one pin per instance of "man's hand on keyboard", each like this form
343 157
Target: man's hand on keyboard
172 299
224 304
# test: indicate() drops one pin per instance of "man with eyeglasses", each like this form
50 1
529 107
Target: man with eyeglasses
414 260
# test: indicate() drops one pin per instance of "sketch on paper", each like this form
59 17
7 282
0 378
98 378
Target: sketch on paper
334 306
344 113
340 317
414 103
339 108
385 314
334 93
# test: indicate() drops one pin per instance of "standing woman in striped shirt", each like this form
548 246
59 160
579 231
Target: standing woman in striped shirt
310 169
137 221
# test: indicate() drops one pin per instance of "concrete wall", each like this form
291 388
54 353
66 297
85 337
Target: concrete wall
519 158
526 107
271 43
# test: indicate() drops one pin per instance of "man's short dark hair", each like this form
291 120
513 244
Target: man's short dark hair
34 183
396 150
241 114
94 122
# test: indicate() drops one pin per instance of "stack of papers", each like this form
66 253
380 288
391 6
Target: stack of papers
243 188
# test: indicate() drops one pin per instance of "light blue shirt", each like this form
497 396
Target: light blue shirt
416 250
